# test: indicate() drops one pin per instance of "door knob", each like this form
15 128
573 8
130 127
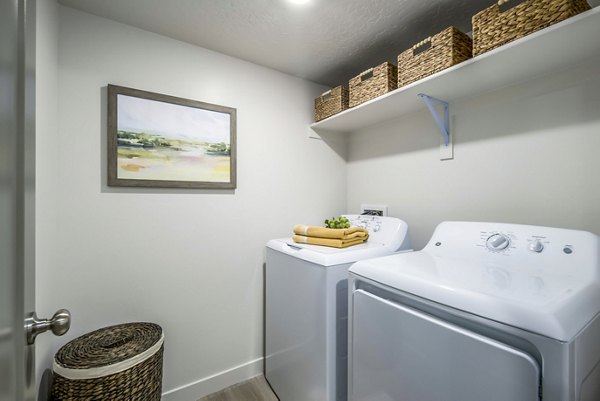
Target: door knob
59 324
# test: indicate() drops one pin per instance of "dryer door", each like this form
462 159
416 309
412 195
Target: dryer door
401 354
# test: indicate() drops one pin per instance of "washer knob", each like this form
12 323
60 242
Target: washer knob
498 242
536 246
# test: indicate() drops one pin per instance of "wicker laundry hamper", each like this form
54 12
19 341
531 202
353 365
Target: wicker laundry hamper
117 363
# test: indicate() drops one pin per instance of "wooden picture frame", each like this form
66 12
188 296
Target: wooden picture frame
163 141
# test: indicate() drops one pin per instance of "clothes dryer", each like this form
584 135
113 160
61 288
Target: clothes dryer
306 310
486 311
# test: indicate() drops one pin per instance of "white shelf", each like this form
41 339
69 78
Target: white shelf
558 47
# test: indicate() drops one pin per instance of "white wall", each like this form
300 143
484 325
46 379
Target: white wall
526 154
189 260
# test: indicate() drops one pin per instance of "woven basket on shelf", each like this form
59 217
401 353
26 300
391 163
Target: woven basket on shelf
117 363
372 83
496 26
433 54
331 102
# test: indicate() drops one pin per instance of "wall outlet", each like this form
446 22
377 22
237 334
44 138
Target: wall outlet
374 210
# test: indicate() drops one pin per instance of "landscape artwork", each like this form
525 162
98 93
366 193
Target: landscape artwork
163 141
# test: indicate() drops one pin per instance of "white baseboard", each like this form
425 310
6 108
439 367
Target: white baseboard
208 385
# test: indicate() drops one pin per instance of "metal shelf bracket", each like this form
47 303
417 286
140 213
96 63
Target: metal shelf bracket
443 126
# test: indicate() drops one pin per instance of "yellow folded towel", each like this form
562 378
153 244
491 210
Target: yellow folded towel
333 242
322 232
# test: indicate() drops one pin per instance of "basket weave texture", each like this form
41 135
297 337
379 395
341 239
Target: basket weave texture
493 28
372 83
331 102
442 50
107 346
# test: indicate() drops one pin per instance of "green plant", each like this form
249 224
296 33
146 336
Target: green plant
340 222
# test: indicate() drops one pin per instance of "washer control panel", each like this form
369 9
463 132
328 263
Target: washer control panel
386 230
371 223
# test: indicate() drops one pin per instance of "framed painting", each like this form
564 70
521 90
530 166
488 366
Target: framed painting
164 141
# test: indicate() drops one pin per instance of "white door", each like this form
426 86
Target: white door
18 324
16 206
402 354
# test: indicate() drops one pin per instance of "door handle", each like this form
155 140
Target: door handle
59 324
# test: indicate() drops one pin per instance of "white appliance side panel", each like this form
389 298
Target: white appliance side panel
337 332
401 354
295 332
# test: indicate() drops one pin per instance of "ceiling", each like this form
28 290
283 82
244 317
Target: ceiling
325 41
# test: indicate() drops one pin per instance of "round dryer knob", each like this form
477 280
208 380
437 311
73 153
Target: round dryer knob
498 242
536 246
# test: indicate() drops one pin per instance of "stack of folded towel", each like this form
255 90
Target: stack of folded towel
335 237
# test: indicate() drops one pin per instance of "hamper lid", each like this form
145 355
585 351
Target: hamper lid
108 350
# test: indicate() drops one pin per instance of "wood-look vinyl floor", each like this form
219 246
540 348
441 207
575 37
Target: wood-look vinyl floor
255 389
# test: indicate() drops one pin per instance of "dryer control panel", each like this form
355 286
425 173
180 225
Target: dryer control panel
500 242
526 245
536 240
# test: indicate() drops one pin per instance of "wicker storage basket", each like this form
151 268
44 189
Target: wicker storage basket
117 363
433 54
331 102
495 26
372 83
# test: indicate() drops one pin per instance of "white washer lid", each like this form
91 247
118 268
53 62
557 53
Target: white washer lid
328 256
555 300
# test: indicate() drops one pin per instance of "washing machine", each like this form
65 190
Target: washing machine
306 309
486 311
